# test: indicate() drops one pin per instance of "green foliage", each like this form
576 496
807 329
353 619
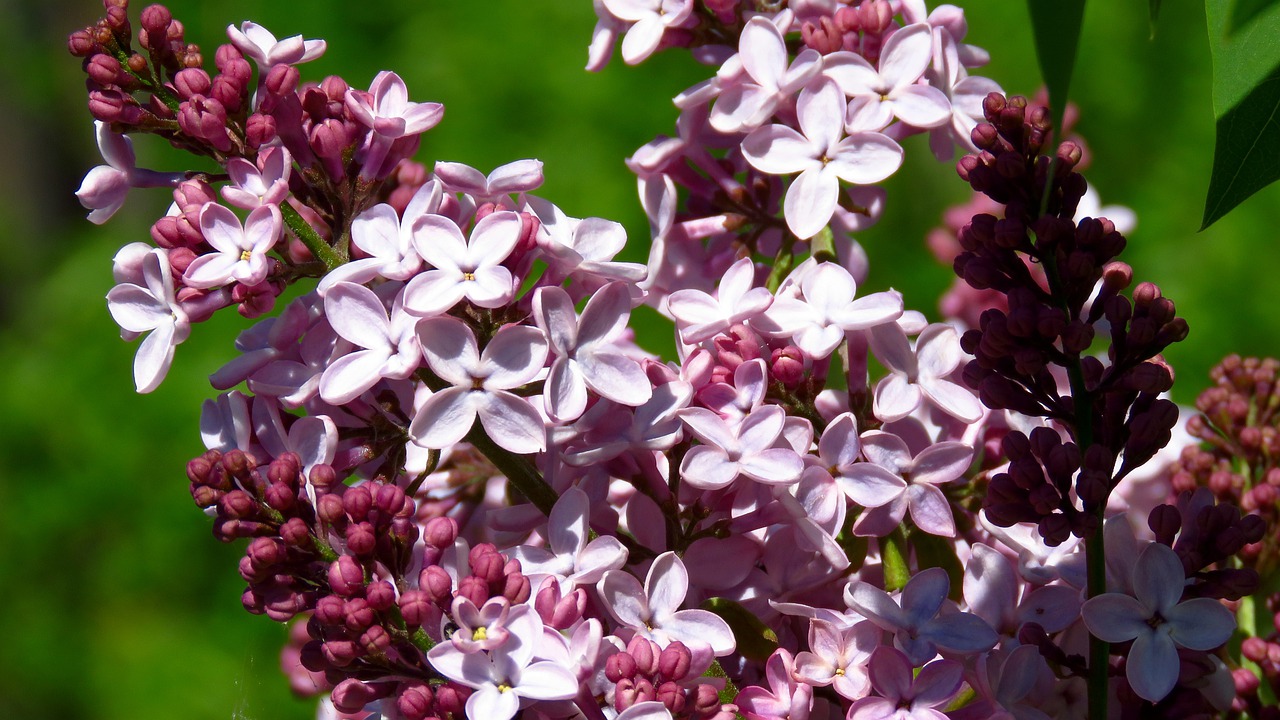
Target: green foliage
1056 26
1243 12
1246 104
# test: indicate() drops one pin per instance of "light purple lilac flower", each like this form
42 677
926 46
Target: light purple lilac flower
918 628
747 449
650 20
151 308
904 695
104 188
653 611
919 374
464 269
763 54
258 44
241 250
389 344
895 482
568 556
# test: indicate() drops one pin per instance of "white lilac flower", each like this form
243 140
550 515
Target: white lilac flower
151 308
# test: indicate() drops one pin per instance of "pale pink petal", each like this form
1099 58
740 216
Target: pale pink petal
906 54
221 229
617 377
694 626
874 604
870 485
839 444
642 39
820 111
829 288
545 681
490 287
1158 579
136 310
155 354
444 419
779 150
512 422
421 117
450 349
605 314
890 344
709 427
492 704
763 52
742 107
377 231
518 176
1115 618
356 314
779 466
513 357
953 399
921 106
886 450
210 270
930 510
865 158
867 312
937 682
1152 666
941 462
439 241
350 375
433 292
625 598
707 468
852 73
895 398
566 393
462 178
493 238
811 201
891 673
666 584
761 428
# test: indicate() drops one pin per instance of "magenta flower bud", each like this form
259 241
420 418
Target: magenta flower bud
351 695
206 119
630 691
346 577
487 563
358 501
620 666
416 607
330 509
361 539
248 572
323 477
440 532
824 37
390 499
259 130
787 366
705 699
282 80
674 661
340 653
265 552
335 89
450 699
280 497
474 589
438 585
874 16
1254 648
110 105
237 504
516 588
229 92
329 140
380 595
646 653
191 82
155 19
357 615
415 701
671 695
81 43
103 69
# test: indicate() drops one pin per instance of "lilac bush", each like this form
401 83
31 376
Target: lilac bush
475 496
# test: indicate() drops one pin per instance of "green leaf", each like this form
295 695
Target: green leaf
893 554
1056 25
756 641
934 551
1153 7
1246 103
1243 12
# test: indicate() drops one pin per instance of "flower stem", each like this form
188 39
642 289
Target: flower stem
309 237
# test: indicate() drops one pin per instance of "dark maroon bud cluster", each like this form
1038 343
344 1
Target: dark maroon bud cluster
647 673
1064 321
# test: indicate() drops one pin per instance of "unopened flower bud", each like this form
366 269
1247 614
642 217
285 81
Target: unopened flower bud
346 577
437 584
361 538
351 695
191 82
440 532
415 701
674 661
620 666
416 608
282 80
357 501
646 654
671 695
474 589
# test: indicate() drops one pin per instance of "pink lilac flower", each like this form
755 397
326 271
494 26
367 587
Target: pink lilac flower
763 54
225 423
586 357
991 590
389 344
481 384
964 92
603 37
582 249
700 316
386 110
387 237
1158 622
653 611
918 628
650 20
151 308
241 250
514 177
895 482
258 44
464 269
104 187
904 695
878 96
485 627
821 155
1003 682
837 656
818 321
747 449
915 375
649 710
788 696
263 183
610 430
568 556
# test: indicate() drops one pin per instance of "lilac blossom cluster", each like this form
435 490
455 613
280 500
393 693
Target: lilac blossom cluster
476 497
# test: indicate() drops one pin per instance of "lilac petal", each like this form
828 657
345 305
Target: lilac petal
492 704
707 468
1159 579
512 422
350 375
554 313
880 521
1052 607
603 553
421 117
895 398
262 228
461 178
377 230
960 633
875 604
315 439
494 237
567 524
763 52
642 39
941 463
690 626
666 584
116 149
433 292
779 150
953 400
357 315
742 107
906 54
937 683
873 708
449 347
720 564
210 270
444 419
852 73
990 585
839 445
546 681
566 393
867 113
890 344
616 377
820 111
1200 624
513 357
1115 618
649 710
829 288
938 350
518 176
1152 666
490 287
870 485
439 241
921 106
886 450
923 595
136 310
778 466
694 307
761 428
890 673
709 427
221 228
811 200
155 355
867 312
625 598
865 158
605 314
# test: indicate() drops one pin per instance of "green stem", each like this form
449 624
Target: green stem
309 237
782 264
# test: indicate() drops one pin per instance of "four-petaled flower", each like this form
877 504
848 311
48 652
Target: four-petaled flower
150 307
242 250
258 44
463 269
653 610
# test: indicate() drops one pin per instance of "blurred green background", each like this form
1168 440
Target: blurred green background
116 603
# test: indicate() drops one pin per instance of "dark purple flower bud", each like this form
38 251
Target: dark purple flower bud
265 552
191 82
322 478
351 695
340 653
361 539
357 615
358 501
313 658
237 504
620 666
1164 521
415 701
346 577
474 589
330 509
440 532
674 661
259 130
380 595
437 584
416 608
390 500
646 653
280 497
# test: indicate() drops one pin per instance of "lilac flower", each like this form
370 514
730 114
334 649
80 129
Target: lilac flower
919 630
387 237
463 269
242 250
266 183
610 430
582 249
585 355
390 345
485 627
838 657
894 482
1157 623
964 93
649 710
481 382
700 316
828 310
991 590
151 308
104 187
258 44
653 611
571 559
314 439
650 18
747 449
225 423
386 110
879 96
763 54
904 696
921 373
789 697
821 157
505 679
514 177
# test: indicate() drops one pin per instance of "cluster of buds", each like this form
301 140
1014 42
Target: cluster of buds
476 497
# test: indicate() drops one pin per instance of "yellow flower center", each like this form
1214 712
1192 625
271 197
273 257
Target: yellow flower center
479 634
245 255
468 276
